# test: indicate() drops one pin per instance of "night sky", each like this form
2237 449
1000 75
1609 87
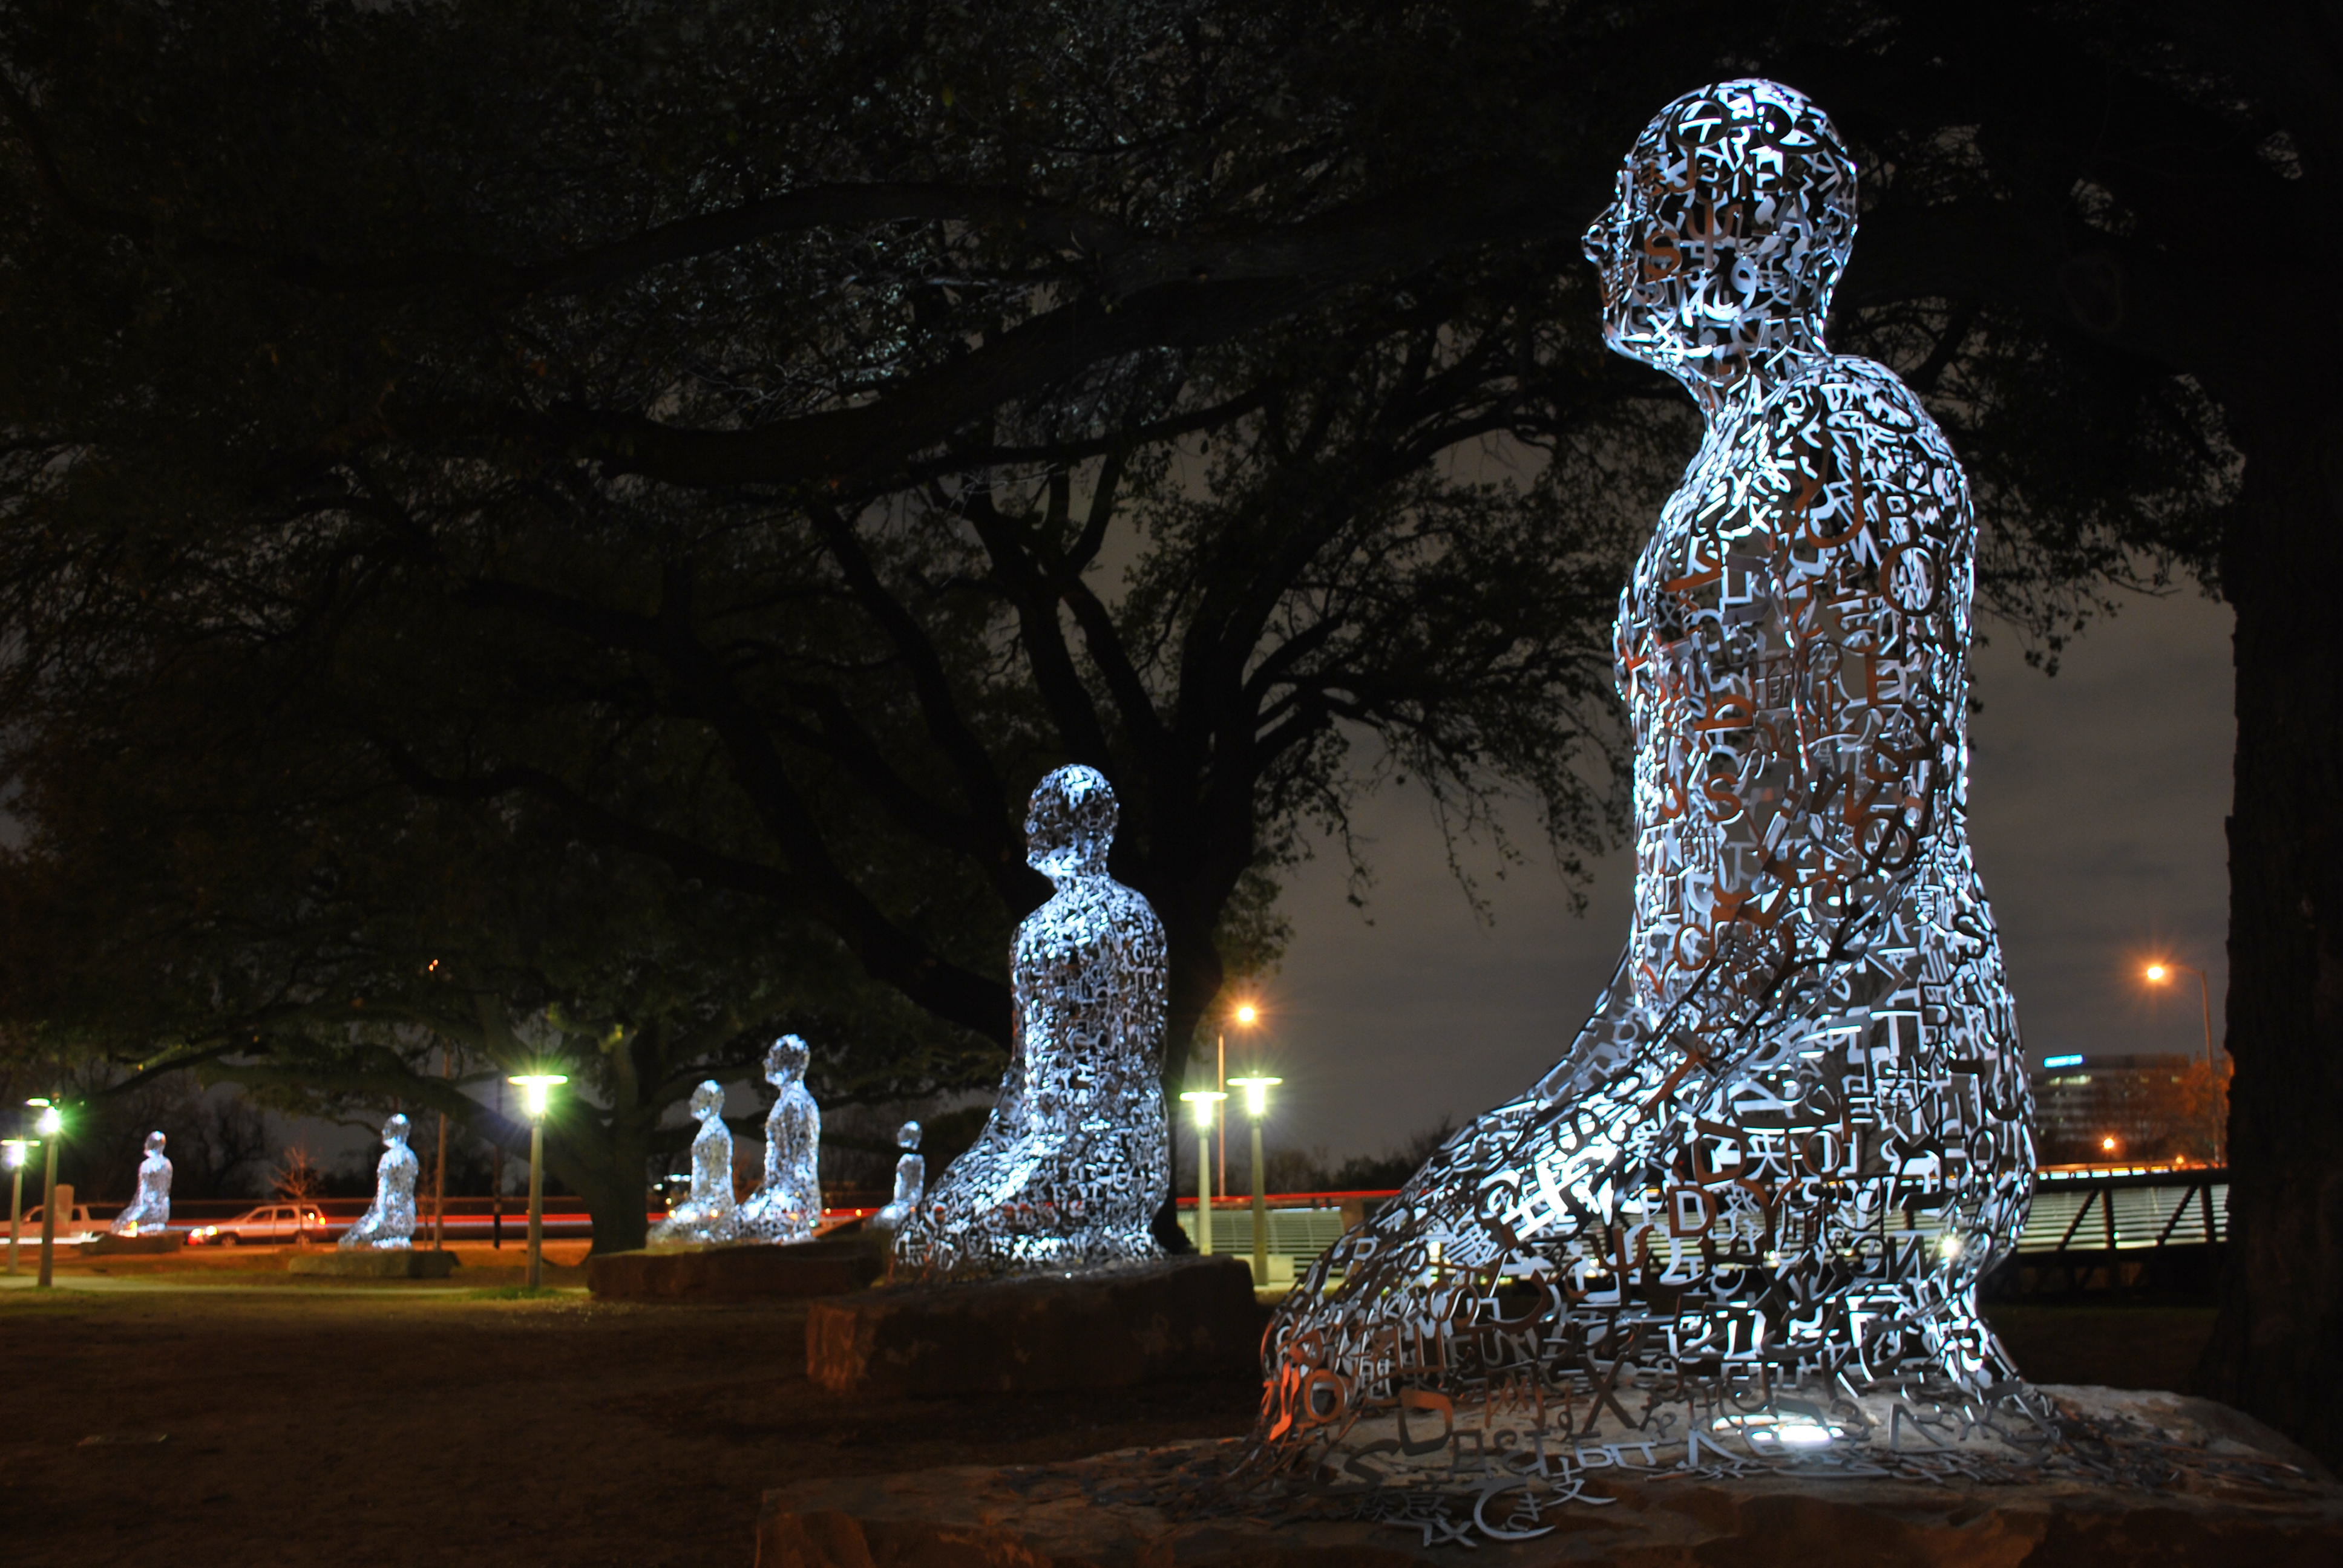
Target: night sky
2096 800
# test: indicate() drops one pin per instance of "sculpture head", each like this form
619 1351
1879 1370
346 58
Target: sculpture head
708 1100
155 1141
394 1132
1070 823
1734 217
787 1061
908 1135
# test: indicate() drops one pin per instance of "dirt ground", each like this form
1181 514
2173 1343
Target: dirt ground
321 1422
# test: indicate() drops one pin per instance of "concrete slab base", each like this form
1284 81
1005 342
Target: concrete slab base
370 1264
734 1274
2222 1491
1183 1318
112 1246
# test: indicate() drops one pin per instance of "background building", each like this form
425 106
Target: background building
2097 1110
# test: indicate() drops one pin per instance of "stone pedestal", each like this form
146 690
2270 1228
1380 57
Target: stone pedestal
1186 1318
736 1274
370 1264
2226 1498
112 1246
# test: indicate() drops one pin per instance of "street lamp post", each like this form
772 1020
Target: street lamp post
1206 1101
1256 1092
51 1127
2160 973
13 1152
1246 1015
534 1087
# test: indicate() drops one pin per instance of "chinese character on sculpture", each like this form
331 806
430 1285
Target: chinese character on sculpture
151 1209
1797 1130
388 1224
787 1206
911 1182
1076 1157
709 1214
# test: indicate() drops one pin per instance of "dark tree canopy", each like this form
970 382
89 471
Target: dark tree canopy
718 458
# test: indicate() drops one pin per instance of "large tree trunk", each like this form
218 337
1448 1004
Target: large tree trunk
607 1168
2277 1348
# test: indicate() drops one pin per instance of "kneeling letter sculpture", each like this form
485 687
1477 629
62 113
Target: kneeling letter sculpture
388 1224
787 1207
151 1209
1076 1157
1753 1200
710 1215
911 1182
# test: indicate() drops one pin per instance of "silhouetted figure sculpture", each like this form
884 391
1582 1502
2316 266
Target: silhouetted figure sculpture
709 1214
1075 1157
787 1206
150 1211
911 1182
388 1224
1795 1131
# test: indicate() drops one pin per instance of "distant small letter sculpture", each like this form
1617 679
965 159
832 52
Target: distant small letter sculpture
709 1214
389 1224
911 1182
787 1207
151 1209
1076 1157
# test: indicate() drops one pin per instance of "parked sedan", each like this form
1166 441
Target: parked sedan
271 1224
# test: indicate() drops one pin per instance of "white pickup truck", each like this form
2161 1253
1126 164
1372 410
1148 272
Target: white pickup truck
75 1227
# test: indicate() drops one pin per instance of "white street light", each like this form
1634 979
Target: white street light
1206 1101
1256 1092
12 1154
536 1088
51 1127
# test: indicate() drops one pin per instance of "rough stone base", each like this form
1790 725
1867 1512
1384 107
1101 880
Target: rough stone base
751 1272
112 1246
1185 1318
1065 1515
370 1264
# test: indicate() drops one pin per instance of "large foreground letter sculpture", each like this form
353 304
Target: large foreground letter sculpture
710 1215
388 1222
1796 1129
151 1209
1076 1157
787 1207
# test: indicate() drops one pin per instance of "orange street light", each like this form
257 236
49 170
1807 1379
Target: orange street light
2160 972
1244 1015
2108 1144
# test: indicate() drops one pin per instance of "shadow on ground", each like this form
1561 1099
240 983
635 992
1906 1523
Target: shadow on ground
425 1425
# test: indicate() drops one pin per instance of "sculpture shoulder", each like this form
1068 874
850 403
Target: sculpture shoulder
1846 452
1089 910
1857 406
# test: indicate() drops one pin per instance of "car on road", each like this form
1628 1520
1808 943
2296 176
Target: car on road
271 1224
75 1227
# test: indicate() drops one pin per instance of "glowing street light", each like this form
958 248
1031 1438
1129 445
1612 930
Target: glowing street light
2107 1145
535 1087
1207 1102
1256 1092
51 1127
12 1154
1244 1015
2160 972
